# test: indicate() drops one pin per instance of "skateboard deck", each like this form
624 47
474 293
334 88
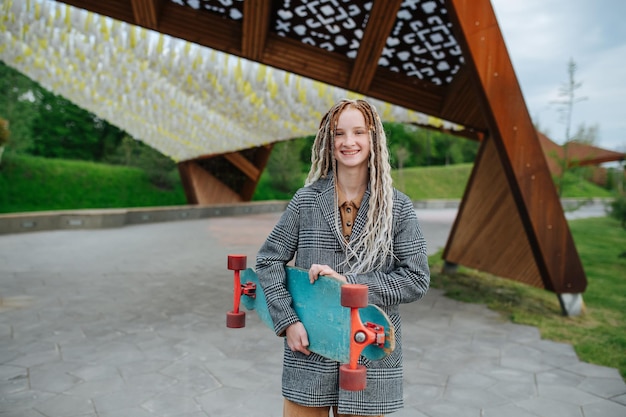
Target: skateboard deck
319 308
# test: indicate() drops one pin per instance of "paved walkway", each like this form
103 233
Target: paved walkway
130 322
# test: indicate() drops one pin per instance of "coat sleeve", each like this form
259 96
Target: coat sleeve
279 248
408 277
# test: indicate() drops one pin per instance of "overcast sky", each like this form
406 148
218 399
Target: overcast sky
541 37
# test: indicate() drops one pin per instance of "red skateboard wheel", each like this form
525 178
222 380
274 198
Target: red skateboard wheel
235 320
354 295
237 262
352 379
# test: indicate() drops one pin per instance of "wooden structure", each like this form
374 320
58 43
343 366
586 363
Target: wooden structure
575 154
444 58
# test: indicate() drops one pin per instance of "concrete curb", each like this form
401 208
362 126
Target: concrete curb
108 218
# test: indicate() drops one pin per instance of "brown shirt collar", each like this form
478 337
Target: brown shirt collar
341 199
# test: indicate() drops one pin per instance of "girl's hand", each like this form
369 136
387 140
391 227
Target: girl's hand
316 270
297 338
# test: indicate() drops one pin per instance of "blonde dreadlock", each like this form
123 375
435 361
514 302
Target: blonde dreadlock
371 248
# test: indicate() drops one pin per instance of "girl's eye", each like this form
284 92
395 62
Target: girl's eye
338 133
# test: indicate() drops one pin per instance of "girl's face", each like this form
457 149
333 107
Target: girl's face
352 140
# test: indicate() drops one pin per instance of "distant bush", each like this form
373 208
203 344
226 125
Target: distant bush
617 209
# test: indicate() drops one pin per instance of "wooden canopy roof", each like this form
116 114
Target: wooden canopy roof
444 58
575 154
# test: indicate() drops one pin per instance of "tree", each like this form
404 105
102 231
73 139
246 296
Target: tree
566 109
17 106
587 135
63 130
284 166
402 155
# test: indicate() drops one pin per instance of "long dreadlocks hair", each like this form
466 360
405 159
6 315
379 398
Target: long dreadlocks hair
370 250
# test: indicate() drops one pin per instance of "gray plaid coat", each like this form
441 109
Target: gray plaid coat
306 230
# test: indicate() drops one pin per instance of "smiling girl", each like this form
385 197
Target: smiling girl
350 223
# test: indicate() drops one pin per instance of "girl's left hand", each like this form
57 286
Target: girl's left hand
316 270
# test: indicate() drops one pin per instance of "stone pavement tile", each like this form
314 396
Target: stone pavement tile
604 387
470 379
36 354
507 410
66 406
559 377
54 377
97 388
473 397
567 395
125 399
543 406
130 412
415 394
515 390
445 408
241 402
168 404
409 411
603 409
23 402
141 367
13 379
590 370
621 399
519 333
155 382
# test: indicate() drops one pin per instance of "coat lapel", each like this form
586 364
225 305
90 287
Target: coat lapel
361 216
326 202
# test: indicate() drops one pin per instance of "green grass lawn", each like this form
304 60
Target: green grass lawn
449 182
35 184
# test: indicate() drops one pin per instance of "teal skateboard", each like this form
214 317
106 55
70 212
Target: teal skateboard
340 323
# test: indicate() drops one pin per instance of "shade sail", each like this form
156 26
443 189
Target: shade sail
183 99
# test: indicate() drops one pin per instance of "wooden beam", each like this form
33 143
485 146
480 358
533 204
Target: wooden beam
260 161
184 170
244 165
146 12
202 28
379 25
515 139
459 102
256 20
116 9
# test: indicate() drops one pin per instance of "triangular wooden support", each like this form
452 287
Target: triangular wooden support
224 179
511 199
488 233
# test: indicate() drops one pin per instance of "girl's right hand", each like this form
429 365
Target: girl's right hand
297 338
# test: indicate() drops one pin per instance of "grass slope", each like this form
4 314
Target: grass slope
449 182
32 184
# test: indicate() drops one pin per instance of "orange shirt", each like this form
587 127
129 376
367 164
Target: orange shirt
348 211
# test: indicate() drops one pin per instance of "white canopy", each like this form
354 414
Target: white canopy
180 98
